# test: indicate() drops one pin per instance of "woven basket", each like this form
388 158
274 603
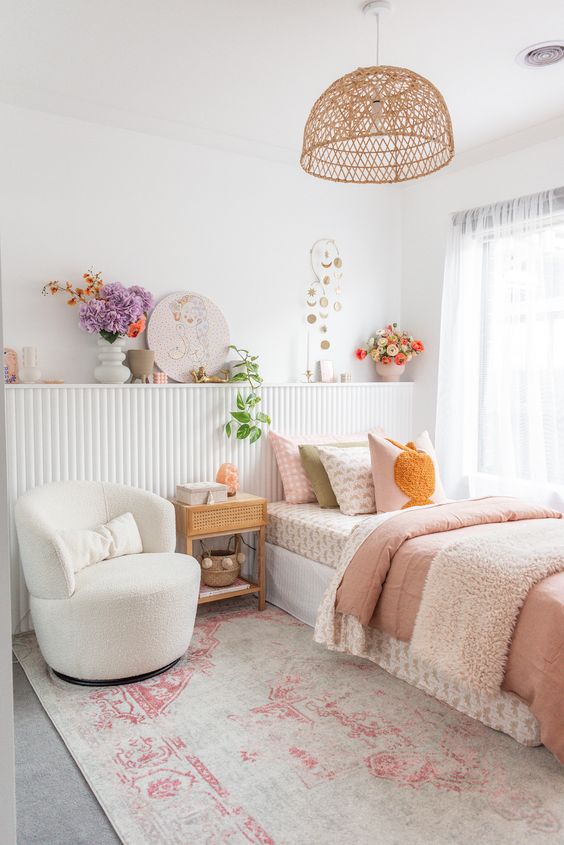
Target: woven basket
220 568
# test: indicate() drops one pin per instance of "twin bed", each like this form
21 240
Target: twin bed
359 581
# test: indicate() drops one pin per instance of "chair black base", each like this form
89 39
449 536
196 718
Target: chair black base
134 679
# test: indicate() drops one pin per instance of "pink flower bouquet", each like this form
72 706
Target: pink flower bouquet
390 345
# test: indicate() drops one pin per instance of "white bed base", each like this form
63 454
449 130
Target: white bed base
297 584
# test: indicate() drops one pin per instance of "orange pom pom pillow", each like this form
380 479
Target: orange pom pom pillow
404 476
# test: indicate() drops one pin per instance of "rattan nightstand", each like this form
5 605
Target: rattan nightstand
239 514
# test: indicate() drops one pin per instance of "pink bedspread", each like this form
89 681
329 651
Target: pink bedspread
384 581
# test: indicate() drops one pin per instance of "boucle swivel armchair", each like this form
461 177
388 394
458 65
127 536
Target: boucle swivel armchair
116 620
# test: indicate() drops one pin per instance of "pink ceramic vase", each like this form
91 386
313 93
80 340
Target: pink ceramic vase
389 372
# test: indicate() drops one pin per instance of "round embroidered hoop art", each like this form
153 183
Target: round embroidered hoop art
188 331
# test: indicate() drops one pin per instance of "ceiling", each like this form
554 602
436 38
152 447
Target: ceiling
245 74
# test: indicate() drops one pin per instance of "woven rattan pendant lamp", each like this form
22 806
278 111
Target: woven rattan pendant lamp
378 125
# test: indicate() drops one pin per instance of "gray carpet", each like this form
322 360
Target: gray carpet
54 803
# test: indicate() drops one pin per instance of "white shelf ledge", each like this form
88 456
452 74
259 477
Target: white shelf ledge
95 385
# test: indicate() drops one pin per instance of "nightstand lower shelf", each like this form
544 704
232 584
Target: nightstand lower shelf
240 587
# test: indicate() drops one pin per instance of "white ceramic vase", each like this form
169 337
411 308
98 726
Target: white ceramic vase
389 372
111 369
29 372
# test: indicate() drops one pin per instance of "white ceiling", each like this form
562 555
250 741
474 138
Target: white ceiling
245 74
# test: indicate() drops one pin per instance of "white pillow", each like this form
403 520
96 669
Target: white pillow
119 536
350 475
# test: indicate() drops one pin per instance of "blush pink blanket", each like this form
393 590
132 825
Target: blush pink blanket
383 585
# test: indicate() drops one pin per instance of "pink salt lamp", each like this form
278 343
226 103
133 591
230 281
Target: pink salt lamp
228 474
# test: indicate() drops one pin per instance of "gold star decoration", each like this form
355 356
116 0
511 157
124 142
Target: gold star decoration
311 291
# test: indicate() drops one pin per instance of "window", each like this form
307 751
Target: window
503 303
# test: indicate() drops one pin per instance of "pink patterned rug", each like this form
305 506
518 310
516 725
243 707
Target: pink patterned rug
260 736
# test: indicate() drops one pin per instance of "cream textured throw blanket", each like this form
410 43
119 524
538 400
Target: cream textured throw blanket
472 597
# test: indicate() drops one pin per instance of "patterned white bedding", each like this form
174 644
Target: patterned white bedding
308 530
296 583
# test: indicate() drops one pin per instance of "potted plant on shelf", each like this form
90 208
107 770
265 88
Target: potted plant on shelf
110 310
391 349
247 420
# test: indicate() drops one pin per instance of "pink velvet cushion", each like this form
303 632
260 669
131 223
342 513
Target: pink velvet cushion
418 486
297 489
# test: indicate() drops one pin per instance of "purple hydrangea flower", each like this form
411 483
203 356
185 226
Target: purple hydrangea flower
122 300
92 315
117 308
117 321
147 299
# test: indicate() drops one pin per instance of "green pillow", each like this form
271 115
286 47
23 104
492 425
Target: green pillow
315 471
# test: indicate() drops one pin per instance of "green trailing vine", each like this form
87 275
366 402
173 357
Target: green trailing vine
247 420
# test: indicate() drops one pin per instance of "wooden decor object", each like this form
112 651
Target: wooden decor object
378 125
243 512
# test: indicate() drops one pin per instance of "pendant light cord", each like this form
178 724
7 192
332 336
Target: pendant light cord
377 40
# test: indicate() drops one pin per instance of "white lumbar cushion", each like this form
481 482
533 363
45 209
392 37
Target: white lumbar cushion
119 536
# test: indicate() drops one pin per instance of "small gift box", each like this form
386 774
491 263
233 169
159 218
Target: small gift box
201 493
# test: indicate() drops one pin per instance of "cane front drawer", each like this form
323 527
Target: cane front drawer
236 515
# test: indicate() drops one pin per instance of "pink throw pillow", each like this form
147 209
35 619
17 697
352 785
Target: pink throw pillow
297 489
404 476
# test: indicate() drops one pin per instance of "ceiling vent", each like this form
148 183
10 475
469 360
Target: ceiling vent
541 55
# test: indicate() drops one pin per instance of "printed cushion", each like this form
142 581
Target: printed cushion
350 474
316 474
297 488
405 475
119 536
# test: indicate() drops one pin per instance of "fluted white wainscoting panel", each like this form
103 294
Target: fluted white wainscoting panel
154 436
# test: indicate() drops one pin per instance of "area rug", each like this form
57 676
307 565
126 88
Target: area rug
261 736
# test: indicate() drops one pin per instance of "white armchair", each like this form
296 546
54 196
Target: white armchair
117 620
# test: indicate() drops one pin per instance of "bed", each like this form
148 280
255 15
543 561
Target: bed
304 547
304 544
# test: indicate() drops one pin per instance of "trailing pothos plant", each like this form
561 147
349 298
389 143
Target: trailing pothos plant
247 420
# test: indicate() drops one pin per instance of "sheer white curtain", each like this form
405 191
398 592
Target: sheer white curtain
500 409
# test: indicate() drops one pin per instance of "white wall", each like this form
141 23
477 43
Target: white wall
171 216
7 774
427 206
